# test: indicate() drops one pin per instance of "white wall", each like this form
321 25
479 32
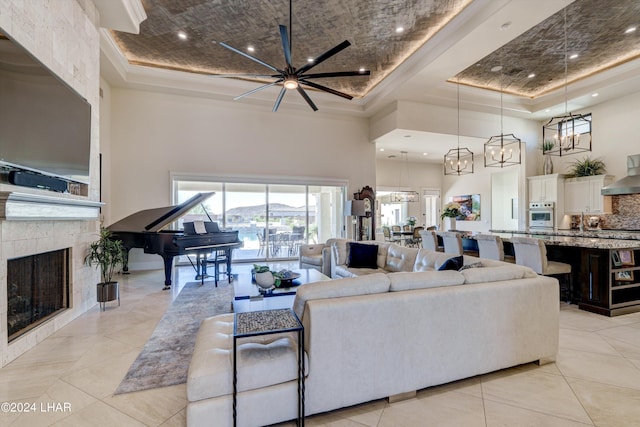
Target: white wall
153 134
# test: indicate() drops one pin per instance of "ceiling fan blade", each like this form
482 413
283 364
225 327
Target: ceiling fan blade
261 76
306 98
286 45
328 54
337 74
258 89
253 58
326 89
279 99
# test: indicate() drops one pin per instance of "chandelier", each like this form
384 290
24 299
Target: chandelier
458 161
405 196
502 150
571 133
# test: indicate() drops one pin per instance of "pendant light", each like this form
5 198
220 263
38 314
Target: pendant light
571 133
458 161
502 150
405 196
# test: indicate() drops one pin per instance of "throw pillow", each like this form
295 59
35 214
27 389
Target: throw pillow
468 266
362 255
452 263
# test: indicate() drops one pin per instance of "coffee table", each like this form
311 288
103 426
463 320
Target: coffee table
248 297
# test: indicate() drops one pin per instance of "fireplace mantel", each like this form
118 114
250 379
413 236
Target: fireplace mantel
25 206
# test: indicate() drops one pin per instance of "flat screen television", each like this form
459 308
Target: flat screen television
45 126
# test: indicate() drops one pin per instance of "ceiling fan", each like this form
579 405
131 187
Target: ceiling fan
294 78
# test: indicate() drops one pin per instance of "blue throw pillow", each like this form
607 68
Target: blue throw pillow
454 263
362 255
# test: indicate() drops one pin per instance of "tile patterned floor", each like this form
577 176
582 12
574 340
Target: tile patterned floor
594 382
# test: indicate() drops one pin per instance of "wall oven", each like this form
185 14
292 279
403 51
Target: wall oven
541 215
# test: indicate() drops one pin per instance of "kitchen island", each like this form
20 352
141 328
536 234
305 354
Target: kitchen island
605 264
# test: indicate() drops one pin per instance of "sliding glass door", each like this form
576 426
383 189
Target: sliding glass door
272 220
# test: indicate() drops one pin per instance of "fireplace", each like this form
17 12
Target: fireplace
37 290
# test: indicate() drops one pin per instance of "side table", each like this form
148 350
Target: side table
265 322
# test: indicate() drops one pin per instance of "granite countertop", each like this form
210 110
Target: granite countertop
588 239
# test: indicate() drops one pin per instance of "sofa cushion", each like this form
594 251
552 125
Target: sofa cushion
400 258
263 361
429 260
342 271
453 263
311 259
405 281
362 255
496 274
369 284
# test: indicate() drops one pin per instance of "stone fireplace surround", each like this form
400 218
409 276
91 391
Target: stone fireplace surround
34 223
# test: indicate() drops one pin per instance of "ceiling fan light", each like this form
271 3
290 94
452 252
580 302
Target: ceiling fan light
291 84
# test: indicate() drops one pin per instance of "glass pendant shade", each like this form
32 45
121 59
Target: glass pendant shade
458 161
404 196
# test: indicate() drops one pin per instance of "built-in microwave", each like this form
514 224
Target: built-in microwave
541 215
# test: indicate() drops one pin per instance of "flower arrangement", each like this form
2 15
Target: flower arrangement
411 221
451 210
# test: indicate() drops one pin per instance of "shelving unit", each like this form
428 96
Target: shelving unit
610 281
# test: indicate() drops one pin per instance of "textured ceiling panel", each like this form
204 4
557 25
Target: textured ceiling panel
317 25
595 31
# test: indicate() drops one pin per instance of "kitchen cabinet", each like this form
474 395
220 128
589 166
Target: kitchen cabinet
546 188
583 194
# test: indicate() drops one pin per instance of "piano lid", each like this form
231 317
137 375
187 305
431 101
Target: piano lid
156 219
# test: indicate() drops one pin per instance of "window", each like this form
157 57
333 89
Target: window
272 219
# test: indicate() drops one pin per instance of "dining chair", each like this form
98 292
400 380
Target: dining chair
414 240
532 252
452 242
386 231
490 246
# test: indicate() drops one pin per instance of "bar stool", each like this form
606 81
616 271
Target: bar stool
532 253
452 242
490 246
429 240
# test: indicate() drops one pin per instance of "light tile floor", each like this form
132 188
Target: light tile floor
594 382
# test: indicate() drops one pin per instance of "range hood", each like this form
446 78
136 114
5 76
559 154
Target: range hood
629 184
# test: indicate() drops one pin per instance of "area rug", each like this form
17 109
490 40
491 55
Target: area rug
165 358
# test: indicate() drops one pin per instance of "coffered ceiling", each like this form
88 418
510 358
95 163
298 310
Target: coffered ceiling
442 42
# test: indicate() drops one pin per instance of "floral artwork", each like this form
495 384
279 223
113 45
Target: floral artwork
469 207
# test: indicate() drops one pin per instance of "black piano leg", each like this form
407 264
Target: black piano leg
168 263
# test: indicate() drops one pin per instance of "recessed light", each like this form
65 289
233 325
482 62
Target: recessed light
505 26
182 35
630 30
595 94
547 110
425 154
496 68
362 70
399 29
407 136
531 75
309 59
251 48
382 149
574 56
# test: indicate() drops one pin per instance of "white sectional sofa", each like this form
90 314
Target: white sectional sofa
379 335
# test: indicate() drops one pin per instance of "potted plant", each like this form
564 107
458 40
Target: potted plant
587 167
451 211
106 253
411 221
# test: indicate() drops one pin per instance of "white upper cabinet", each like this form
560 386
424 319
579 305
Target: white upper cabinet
545 188
583 194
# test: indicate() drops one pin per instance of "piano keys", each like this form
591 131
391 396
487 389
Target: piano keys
145 229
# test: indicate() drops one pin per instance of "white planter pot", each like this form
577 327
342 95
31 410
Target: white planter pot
449 224
265 280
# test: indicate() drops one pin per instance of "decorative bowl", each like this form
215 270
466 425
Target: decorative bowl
265 280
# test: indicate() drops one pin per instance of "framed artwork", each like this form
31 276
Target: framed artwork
615 259
624 276
469 207
626 258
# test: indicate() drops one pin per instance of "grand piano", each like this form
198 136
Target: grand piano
145 229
